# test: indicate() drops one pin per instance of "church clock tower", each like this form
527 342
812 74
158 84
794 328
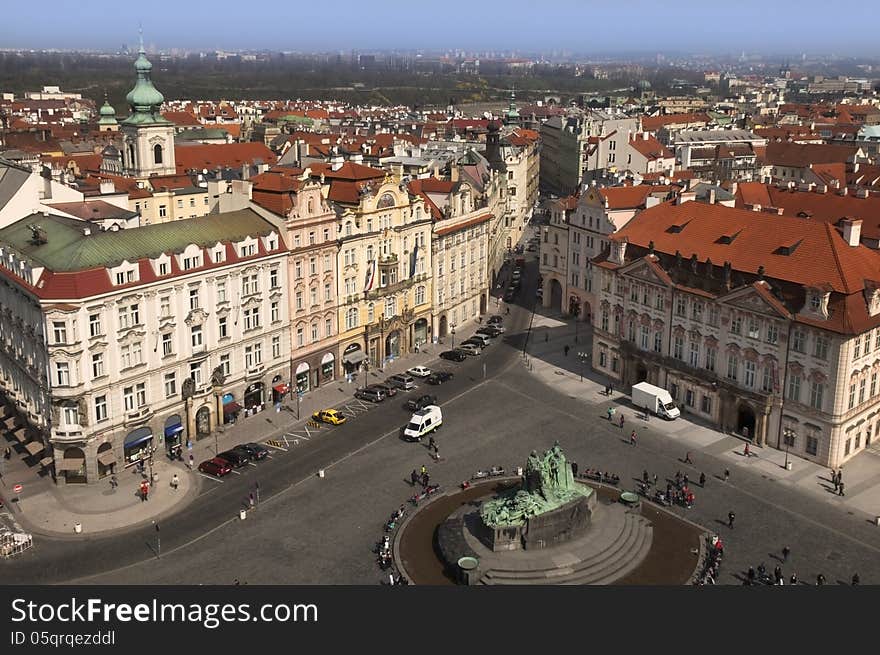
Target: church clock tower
148 144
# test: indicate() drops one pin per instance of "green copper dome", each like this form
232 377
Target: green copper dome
144 99
107 109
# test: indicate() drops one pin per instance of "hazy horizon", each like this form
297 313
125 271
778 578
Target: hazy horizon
582 26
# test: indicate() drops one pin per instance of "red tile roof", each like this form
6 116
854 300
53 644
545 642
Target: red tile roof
650 148
629 197
220 155
801 155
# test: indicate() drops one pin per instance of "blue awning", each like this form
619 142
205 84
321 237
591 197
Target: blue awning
138 436
172 430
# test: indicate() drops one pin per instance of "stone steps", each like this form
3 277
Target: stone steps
614 560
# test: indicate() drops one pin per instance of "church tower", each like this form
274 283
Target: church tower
148 144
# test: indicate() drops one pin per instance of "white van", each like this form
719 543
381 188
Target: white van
422 422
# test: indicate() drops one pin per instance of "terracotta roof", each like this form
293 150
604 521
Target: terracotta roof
821 258
650 148
94 210
629 197
218 155
355 172
181 118
801 155
441 231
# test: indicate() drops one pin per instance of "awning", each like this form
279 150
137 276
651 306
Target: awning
69 464
282 388
107 457
9 422
20 435
354 358
34 447
137 437
171 430
46 461
231 408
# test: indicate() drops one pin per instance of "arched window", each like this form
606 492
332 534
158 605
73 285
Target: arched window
157 154
131 155
311 206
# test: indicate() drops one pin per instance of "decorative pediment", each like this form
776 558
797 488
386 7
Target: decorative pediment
131 336
251 302
817 376
646 270
751 299
750 354
276 295
196 317
711 341
223 311
97 346
658 324
796 368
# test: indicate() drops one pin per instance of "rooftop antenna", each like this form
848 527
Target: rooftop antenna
141 37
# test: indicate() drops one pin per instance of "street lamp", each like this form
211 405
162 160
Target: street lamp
583 357
453 335
789 435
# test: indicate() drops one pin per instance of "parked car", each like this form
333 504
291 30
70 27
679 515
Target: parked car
386 388
531 248
373 395
470 349
415 404
453 355
331 416
256 451
216 467
439 377
492 330
495 319
479 339
401 381
509 295
236 458
419 371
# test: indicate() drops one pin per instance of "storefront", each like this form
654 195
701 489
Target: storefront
72 466
392 345
138 445
302 377
173 435
230 408
328 365
106 460
352 357
253 395
420 332
203 422
280 389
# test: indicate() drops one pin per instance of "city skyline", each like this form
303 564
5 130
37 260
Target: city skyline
577 27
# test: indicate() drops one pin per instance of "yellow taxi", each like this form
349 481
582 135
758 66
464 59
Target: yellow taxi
331 416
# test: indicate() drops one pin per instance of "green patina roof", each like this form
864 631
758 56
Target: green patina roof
68 249
144 98
292 118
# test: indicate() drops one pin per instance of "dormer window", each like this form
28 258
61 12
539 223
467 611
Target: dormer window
192 262
815 302
163 268
218 255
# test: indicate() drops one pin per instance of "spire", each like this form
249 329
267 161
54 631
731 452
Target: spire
144 99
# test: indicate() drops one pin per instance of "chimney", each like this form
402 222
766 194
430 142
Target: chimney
712 196
862 193
756 207
336 160
852 231
107 186
87 231
844 190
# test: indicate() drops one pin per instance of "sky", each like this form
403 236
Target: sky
584 26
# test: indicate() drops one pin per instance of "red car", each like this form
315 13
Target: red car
215 466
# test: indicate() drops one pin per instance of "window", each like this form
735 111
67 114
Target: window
815 302
812 445
645 335
767 379
313 296
193 298
225 364
180 203
680 307
95 325
100 408
732 366
170 384
862 388
631 331
710 358
713 315
129 316
390 306
689 397
772 333
274 312
328 327
314 332
634 293
163 211
817 392
868 343
222 327
195 373
59 330
157 154
313 264
192 262
276 347
164 306
351 318
877 340
736 325
299 298
697 311
252 318
128 399
821 350
249 284
196 337
62 374
798 341
603 359
659 301
300 338
605 320
273 278
706 404
749 373
167 344
852 396
253 355
873 384
754 329
219 256
694 356
658 341
678 348
221 291
327 293
97 365
794 388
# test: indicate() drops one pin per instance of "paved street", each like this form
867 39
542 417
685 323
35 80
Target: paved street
311 530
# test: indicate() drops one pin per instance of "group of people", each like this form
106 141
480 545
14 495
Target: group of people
837 480
420 477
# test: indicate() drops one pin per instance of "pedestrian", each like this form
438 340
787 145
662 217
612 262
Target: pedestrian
655 479
547 338
777 573
7 453
835 481
855 580
702 480
632 438
786 551
508 310
114 482
751 574
251 499
645 476
607 393
191 462
574 469
414 477
730 517
820 580
425 479
687 458
746 451
840 493
726 474
431 443
685 479
647 414
436 453
621 421
678 478
610 413
794 579
565 350
175 481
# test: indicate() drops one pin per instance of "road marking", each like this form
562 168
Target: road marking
252 464
275 447
236 472
211 477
